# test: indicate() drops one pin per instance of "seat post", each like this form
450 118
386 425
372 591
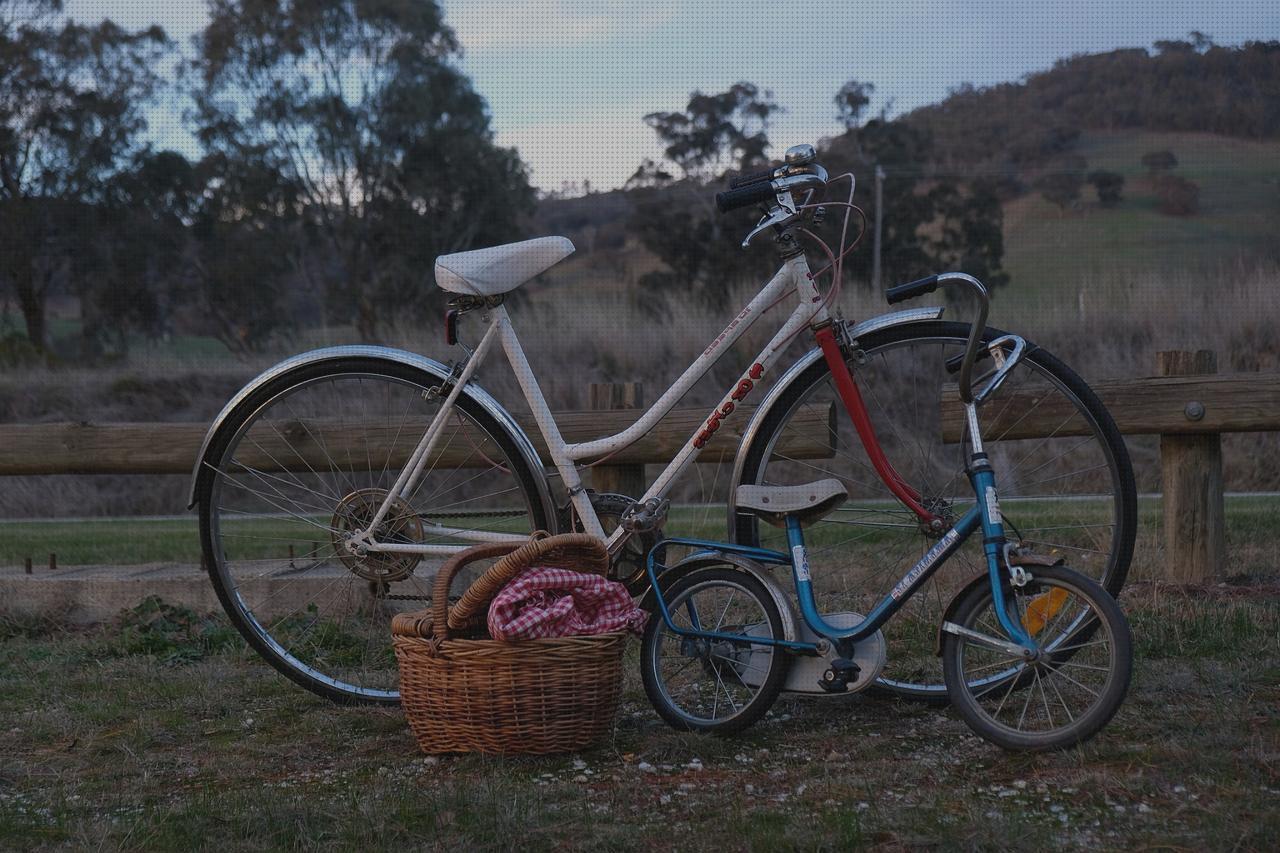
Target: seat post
795 542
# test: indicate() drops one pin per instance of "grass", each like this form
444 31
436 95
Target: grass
1253 537
107 746
1049 251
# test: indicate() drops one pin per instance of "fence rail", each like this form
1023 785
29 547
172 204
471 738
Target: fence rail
171 448
1154 405
1189 406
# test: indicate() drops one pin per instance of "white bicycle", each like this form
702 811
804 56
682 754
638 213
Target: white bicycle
332 485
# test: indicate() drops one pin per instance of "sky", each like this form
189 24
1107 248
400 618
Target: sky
568 82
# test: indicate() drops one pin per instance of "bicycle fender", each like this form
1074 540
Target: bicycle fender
709 559
852 331
427 365
983 579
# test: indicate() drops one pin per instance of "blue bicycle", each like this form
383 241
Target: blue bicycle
1035 655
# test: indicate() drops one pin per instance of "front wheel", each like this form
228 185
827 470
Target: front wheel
1070 691
306 460
714 685
1065 483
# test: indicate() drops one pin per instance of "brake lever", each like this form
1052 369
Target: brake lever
783 211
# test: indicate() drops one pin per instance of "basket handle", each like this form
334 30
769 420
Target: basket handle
444 578
532 553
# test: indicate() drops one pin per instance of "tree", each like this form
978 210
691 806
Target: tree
1177 195
1200 41
676 220
1060 188
140 240
71 112
246 245
852 101
1158 162
384 139
970 232
717 132
930 223
1108 186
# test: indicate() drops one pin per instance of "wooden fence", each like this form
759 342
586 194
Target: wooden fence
171 448
1188 405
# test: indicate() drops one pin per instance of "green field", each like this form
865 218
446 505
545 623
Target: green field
1050 253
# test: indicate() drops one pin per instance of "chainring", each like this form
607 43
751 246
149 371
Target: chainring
628 565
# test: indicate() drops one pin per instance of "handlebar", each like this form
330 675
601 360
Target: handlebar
745 196
911 290
809 177
754 177
775 188
922 286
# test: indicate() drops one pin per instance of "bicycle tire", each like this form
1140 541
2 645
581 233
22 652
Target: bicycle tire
262 629
677 712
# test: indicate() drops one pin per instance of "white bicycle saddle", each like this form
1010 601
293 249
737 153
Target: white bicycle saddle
499 269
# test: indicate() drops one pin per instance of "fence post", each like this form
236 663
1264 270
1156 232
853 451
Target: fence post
1191 473
623 479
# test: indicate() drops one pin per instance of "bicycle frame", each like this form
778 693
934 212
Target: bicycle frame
809 311
984 516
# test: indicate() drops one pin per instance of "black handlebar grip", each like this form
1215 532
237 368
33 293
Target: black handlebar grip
744 196
911 290
754 177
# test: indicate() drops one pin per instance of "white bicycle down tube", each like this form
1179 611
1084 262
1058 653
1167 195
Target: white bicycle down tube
808 311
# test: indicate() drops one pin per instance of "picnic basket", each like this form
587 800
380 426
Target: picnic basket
464 692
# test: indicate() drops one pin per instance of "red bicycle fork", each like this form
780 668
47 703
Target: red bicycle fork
852 399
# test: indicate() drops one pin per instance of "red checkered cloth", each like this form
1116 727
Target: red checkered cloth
546 602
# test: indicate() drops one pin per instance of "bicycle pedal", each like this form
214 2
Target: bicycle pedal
837 677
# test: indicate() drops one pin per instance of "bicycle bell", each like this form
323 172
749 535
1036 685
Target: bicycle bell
800 155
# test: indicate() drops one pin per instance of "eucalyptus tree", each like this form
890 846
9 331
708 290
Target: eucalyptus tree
72 101
387 143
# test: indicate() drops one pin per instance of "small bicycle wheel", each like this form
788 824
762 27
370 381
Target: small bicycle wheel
1070 691
1066 487
719 686
306 460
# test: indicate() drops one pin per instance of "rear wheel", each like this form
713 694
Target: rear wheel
1066 487
714 685
309 458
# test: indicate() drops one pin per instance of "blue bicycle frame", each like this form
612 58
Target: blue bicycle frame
985 515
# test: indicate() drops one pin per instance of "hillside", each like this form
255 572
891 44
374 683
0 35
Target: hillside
1217 109
1047 250
1178 87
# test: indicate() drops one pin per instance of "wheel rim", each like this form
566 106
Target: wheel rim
1060 690
711 682
281 503
1071 483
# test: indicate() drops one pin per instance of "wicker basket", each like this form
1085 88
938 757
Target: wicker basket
482 695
